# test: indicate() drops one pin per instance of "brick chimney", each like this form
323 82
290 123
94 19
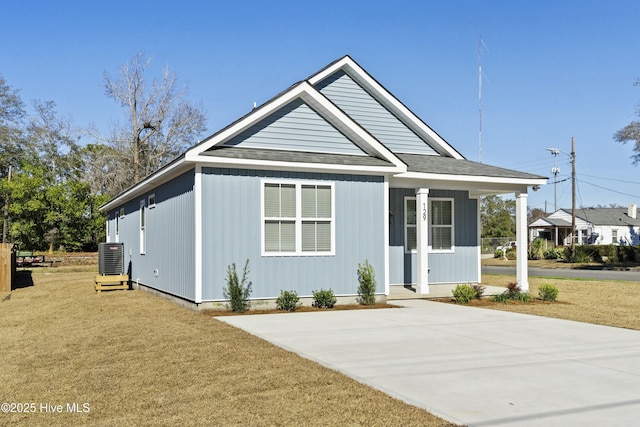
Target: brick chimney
632 211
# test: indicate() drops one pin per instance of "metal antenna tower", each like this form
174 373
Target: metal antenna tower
480 76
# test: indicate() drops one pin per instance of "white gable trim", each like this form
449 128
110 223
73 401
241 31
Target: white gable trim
378 91
318 103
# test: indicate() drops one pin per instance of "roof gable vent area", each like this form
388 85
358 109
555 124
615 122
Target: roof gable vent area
369 113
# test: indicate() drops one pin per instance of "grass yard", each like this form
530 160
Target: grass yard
609 303
135 359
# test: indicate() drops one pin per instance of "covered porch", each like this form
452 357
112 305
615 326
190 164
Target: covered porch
434 223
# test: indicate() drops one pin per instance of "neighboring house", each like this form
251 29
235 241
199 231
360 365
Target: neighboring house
329 173
594 226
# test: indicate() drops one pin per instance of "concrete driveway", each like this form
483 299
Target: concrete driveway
473 366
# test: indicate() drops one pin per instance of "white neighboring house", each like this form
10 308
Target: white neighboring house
594 226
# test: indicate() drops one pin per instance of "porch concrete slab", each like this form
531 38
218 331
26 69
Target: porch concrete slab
399 292
473 366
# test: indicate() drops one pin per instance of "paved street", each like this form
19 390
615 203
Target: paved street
568 273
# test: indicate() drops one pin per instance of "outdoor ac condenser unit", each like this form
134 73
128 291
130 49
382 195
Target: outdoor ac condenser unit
111 258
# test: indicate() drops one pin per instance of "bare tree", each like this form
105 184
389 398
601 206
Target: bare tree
631 133
160 123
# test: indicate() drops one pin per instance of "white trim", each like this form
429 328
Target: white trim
522 273
423 235
479 244
319 103
282 165
117 218
452 226
473 179
298 183
142 222
108 234
197 190
385 218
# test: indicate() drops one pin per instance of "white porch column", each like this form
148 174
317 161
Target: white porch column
422 235
522 273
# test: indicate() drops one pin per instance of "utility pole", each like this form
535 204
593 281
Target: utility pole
573 197
555 171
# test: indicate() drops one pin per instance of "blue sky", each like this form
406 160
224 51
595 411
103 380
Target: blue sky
554 69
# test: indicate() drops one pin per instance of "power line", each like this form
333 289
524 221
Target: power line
611 179
608 189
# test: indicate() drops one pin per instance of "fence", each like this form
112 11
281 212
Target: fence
7 266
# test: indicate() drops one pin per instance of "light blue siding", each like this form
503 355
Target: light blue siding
458 267
372 115
295 127
168 263
232 233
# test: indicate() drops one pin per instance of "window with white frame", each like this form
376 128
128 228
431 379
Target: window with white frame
143 220
441 235
410 230
117 227
614 236
298 218
440 225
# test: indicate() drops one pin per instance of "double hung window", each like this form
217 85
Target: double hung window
298 218
441 230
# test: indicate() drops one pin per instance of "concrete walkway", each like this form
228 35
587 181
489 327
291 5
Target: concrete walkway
473 366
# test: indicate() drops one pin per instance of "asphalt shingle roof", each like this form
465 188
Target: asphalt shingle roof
451 166
296 156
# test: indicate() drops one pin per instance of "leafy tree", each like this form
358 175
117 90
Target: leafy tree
497 216
159 123
534 214
631 133
50 207
11 121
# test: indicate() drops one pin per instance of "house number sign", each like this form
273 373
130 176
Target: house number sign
424 211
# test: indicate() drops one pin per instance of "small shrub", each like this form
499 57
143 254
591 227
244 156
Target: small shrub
463 294
522 297
288 301
548 292
554 253
237 291
367 284
537 248
498 254
479 290
324 299
503 297
511 254
513 290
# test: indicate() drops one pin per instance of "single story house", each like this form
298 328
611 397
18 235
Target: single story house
594 226
329 173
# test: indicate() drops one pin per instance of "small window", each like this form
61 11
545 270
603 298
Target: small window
143 219
410 227
152 201
614 236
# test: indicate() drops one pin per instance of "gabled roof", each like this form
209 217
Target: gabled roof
337 136
595 216
606 216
